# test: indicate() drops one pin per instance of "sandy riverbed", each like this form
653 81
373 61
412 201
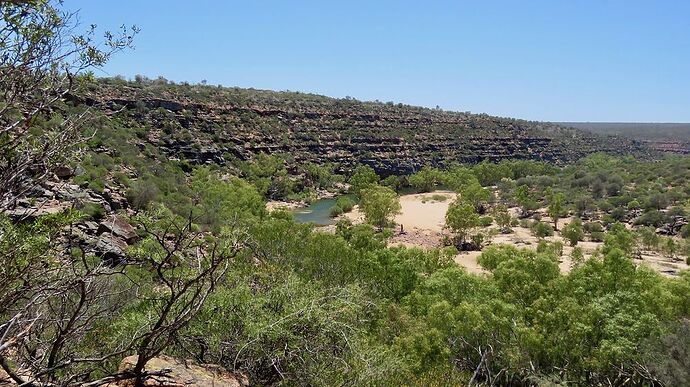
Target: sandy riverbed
423 221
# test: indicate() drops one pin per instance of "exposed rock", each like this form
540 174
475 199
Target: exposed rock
184 373
89 226
63 172
115 200
111 248
5 380
392 139
28 211
117 226
69 192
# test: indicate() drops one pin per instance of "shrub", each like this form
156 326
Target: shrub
654 218
541 229
94 211
685 231
336 210
597 236
485 221
591 227
439 198
345 203
573 232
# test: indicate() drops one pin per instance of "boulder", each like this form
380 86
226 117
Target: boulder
117 226
115 199
63 172
111 248
183 373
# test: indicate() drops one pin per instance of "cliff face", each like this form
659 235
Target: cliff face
203 124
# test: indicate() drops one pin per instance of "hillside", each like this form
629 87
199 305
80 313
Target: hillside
664 137
205 124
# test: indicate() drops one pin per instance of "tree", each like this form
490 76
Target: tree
670 247
461 219
218 203
502 217
649 237
525 200
475 194
458 176
556 208
426 179
573 232
43 62
363 177
541 229
379 204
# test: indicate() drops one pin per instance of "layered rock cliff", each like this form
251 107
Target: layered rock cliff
205 124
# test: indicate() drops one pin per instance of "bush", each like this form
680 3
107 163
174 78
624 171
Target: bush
94 211
486 221
143 192
345 203
654 218
591 227
439 198
573 232
685 231
541 229
554 249
336 211
597 236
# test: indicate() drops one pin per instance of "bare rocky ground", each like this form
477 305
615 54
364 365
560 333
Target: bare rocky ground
176 373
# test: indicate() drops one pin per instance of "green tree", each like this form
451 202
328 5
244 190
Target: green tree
524 199
461 219
457 177
573 232
541 229
379 205
502 217
426 179
649 237
670 247
556 208
475 194
45 57
363 177
221 203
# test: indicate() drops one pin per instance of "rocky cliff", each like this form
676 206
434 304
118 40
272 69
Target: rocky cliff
205 124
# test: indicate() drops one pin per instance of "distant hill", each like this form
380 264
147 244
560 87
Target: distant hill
666 137
205 124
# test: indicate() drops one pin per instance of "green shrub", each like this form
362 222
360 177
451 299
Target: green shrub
345 203
573 232
591 227
485 221
685 231
654 218
439 198
94 211
335 211
541 229
597 236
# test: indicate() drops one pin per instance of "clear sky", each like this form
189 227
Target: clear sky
548 60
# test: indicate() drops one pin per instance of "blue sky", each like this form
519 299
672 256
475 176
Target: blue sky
542 60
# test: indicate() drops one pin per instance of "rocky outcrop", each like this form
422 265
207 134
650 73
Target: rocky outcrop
118 227
109 238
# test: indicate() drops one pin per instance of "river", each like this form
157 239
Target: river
317 212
